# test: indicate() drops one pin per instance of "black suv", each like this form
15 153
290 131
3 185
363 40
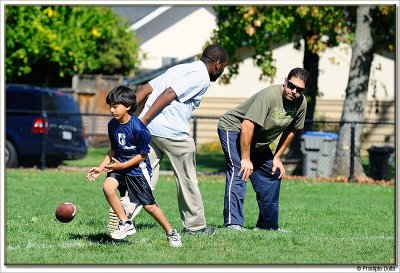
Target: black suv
43 127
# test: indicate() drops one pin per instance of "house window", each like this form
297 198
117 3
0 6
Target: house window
168 60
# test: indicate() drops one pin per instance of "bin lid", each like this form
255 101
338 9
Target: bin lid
380 149
321 134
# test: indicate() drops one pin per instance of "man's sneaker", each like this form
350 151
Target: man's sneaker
282 230
174 239
237 227
113 219
124 229
207 230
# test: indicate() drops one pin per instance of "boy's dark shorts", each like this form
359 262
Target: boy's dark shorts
138 188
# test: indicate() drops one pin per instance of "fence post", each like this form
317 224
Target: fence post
195 130
44 135
352 144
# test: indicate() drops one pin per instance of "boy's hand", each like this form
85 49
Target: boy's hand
93 173
114 166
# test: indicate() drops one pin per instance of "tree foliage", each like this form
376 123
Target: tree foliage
262 28
383 28
60 41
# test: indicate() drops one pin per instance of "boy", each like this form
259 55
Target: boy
127 165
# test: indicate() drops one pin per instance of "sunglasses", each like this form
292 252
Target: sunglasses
292 86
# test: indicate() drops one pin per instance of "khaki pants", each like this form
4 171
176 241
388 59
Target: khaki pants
182 155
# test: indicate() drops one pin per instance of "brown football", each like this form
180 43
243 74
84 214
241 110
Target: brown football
65 212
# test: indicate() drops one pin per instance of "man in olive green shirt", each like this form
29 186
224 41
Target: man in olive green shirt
246 132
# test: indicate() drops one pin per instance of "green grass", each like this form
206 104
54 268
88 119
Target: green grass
329 223
212 162
206 161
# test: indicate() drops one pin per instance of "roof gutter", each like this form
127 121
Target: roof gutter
148 18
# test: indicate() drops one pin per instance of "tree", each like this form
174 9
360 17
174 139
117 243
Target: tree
49 44
369 38
262 28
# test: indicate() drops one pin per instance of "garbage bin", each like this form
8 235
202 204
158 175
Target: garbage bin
380 161
319 150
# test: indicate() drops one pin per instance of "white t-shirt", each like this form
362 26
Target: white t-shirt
189 81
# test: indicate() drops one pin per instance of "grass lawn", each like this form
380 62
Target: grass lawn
211 162
329 224
207 161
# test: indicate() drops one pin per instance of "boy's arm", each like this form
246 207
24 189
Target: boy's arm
117 165
96 171
107 159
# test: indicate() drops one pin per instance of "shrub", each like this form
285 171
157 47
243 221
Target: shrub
210 147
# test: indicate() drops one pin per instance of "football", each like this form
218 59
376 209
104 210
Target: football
65 212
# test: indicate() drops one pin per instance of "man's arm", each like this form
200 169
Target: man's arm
142 92
162 100
284 142
246 136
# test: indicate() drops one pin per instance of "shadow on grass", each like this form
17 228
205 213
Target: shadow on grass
101 238
104 238
141 226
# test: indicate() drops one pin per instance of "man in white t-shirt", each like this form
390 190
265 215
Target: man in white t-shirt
172 98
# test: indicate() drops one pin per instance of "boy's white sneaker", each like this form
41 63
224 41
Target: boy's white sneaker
124 229
174 239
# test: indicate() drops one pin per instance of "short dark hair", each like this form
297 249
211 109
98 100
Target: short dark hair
213 53
124 95
300 73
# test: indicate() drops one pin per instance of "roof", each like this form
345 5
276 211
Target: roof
137 17
144 78
146 19
134 13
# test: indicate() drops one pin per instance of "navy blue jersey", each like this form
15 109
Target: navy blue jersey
128 140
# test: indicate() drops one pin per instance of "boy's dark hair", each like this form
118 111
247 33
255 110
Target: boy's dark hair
214 53
300 73
124 95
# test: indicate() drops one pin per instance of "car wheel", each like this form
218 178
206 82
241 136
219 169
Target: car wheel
11 156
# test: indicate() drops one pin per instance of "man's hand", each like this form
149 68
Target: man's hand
144 121
246 166
277 163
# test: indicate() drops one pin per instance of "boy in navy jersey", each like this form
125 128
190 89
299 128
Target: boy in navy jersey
127 165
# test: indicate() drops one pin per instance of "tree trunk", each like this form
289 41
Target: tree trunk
356 96
311 64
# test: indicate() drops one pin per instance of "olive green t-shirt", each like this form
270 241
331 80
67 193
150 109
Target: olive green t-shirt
270 111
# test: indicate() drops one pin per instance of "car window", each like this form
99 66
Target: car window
27 100
60 102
